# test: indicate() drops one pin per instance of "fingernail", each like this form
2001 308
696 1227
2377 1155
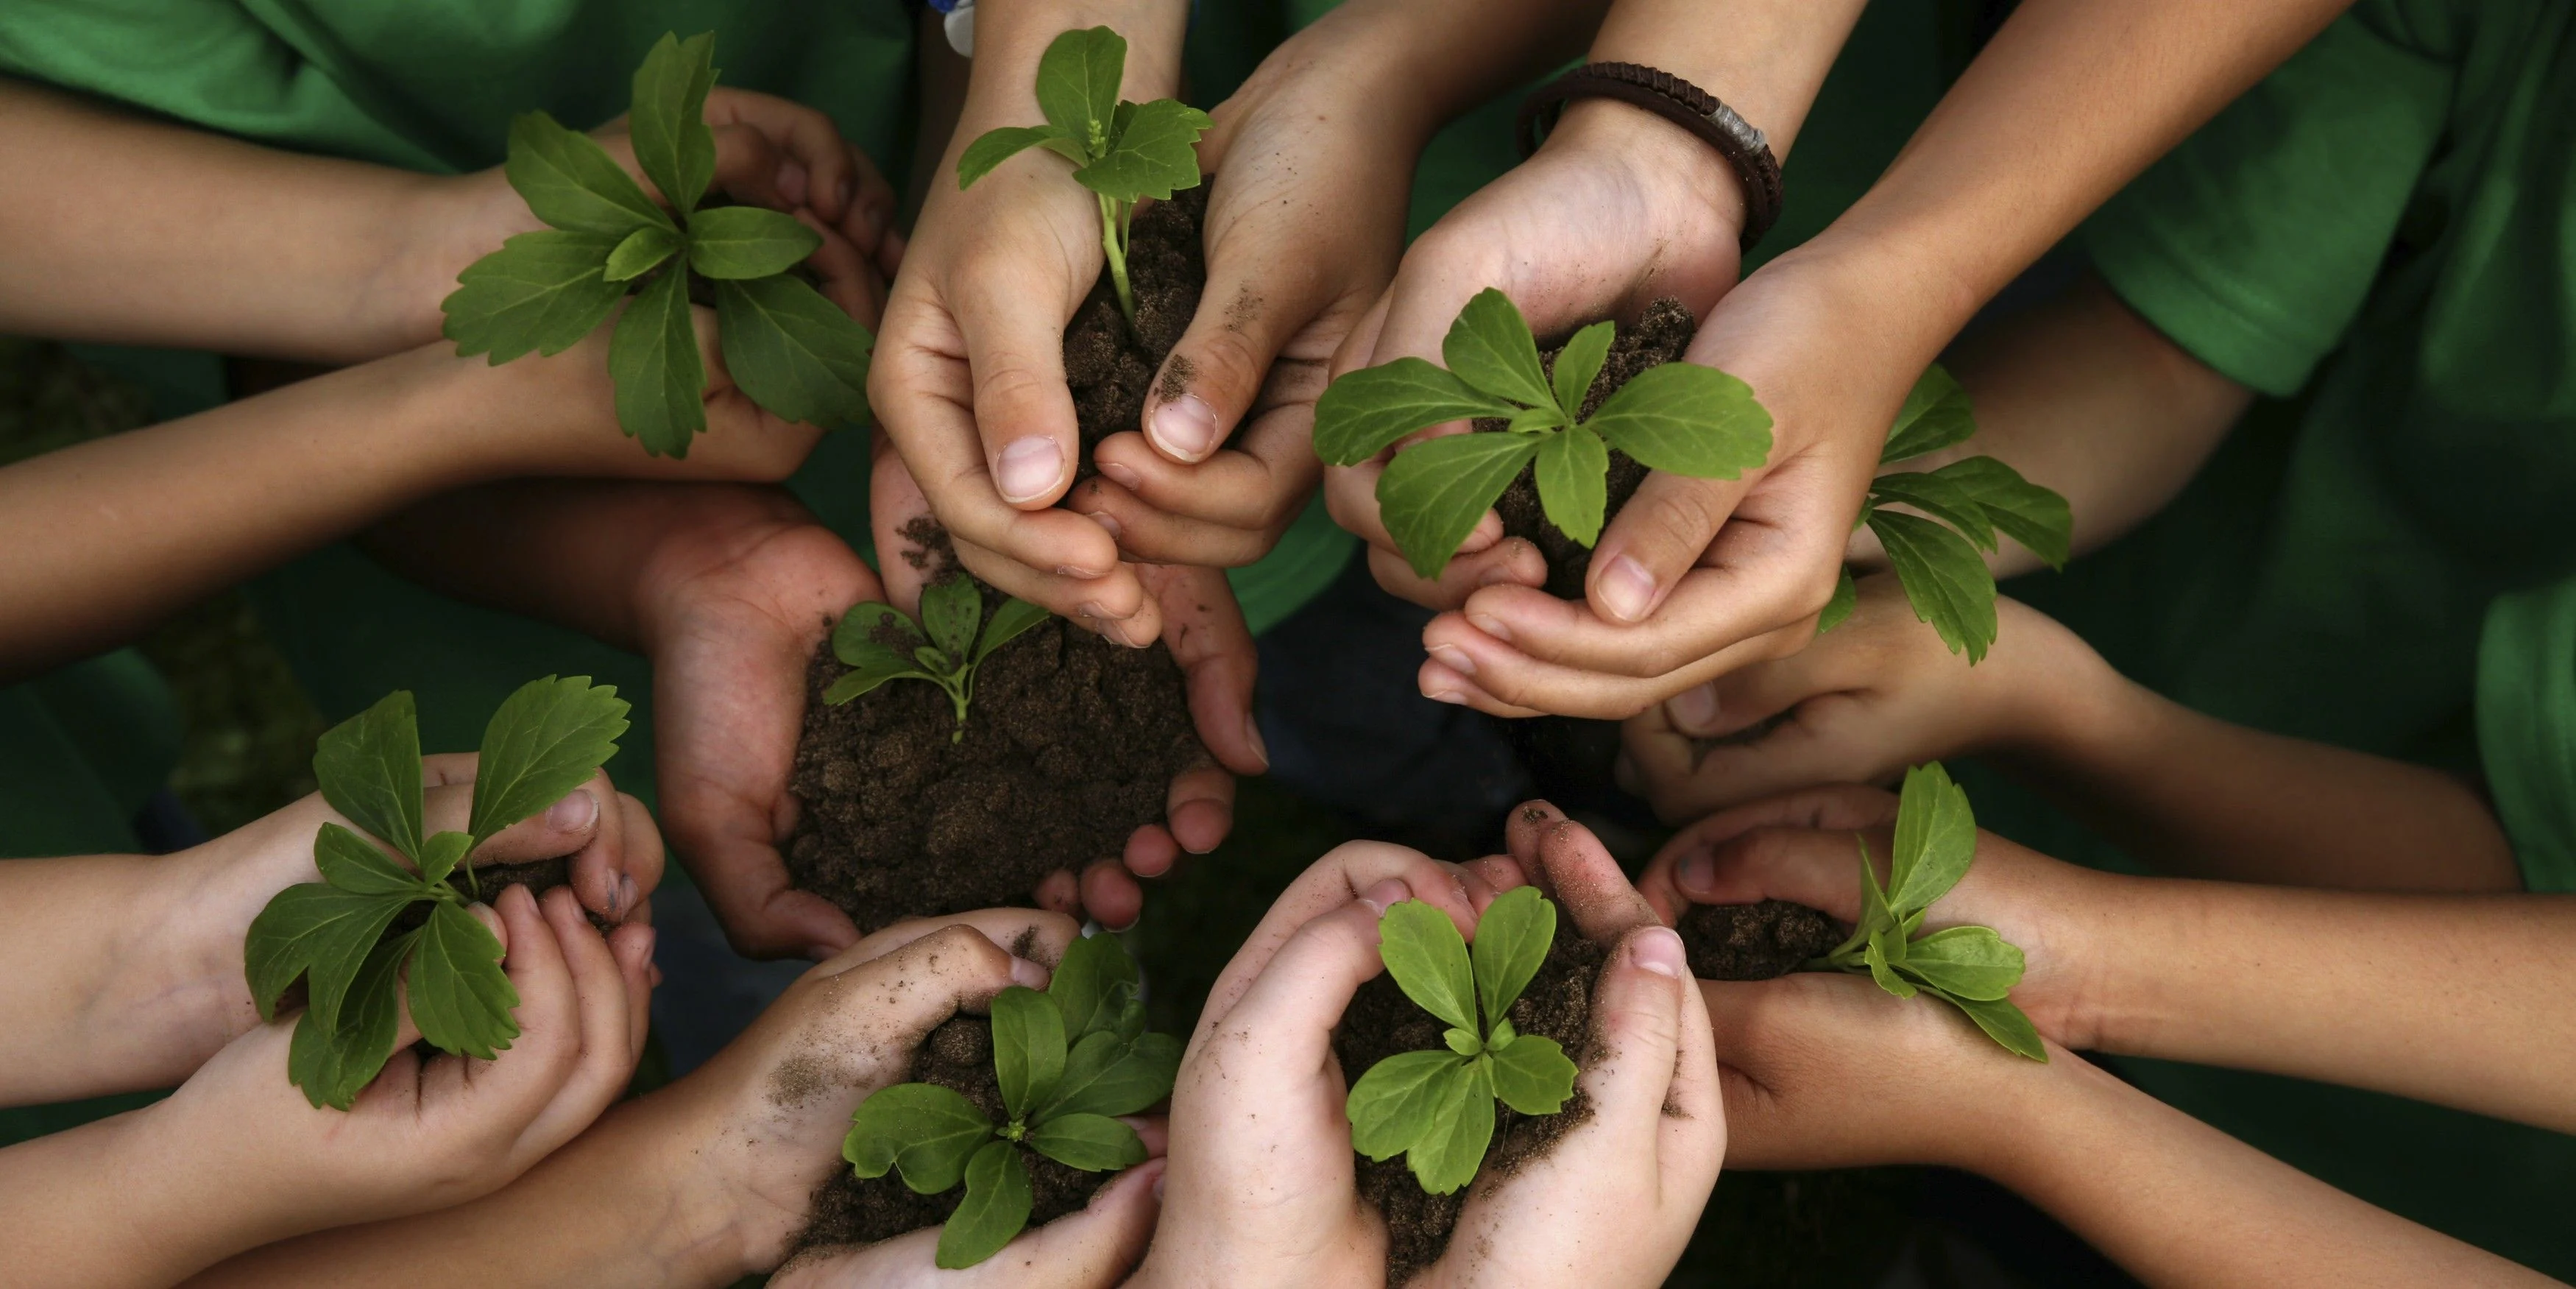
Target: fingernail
1025 972
1627 589
643 950
1694 710
1384 895
1185 427
1252 735
1447 696
1453 658
573 813
1108 524
1159 1178
627 896
1029 468
1697 873
1121 474
791 183
1658 949
1490 625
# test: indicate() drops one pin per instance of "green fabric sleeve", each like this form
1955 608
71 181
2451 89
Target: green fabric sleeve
2253 244
2527 728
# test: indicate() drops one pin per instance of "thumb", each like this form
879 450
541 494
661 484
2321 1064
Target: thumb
1654 1060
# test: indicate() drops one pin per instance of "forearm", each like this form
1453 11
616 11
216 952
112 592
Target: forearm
2176 1202
127 230
1012 35
114 1205
1764 58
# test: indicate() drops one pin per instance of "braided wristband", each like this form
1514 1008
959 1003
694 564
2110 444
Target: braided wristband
1684 104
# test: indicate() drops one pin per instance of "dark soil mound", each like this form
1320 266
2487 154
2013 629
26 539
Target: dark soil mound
1382 1022
957 1055
1110 366
1755 941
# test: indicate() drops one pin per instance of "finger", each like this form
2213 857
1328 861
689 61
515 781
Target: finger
548 1048
1157 536
1221 364
1637 1033
1299 996
1205 630
1694 1121
870 216
1826 739
1443 682
811 156
1116 607
633 946
1579 871
1034 935
904 994
1500 677
1151 850
1200 809
1023 408
567 827
1259 483
845 274
750 168
1329 883
1839 809
1802 866
1110 895
607 994
1097 1246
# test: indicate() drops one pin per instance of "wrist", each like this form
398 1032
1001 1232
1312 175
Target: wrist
1011 36
1665 158
430 232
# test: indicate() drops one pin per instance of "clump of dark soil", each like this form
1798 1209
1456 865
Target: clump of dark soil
1381 1022
958 1055
1755 941
1110 365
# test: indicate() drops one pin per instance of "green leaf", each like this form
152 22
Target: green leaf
653 362
1093 981
1154 154
669 117
1462 1124
334 1064
1577 364
794 352
1502 1035
1094 1143
1940 498
2005 1023
1880 970
1107 1073
1391 1106
855 639
460 998
2026 512
994 147
641 252
1491 348
1969 962
1028 1048
732 242
950 611
1935 416
1512 939
317 931
926 1130
1875 915
1682 418
995 1209
369 770
1078 79
1573 470
1846 598
1012 620
1531 420
354 864
1366 411
1936 839
545 740
1433 493
440 855
1945 579
1462 1042
1533 1075
572 183
542 291
936 660
1428 958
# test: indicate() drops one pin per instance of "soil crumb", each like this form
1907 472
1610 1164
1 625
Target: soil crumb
1110 365
1755 941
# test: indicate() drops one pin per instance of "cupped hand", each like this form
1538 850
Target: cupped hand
1876 694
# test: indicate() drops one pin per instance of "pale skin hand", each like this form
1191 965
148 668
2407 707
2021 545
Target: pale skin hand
711 1179
237 1158
161 991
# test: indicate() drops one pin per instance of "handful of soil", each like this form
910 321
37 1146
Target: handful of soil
1110 365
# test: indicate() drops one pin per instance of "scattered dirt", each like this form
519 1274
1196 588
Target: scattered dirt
1381 1022
959 1055
1111 366
1071 744
1755 941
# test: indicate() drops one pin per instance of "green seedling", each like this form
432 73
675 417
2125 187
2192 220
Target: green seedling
1969 967
1963 505
546 740
1678 417
790 350
1123 152
1069 1061
945 648
1436 1108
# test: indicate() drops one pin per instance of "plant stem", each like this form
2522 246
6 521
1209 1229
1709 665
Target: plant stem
960 692
1114 217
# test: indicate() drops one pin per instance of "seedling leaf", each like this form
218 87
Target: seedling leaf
1364 412
1944 578
1391 1106
317 931
2027 513
1011 621
1490 347
1092 982
1965 962
1880 970
1936 839
1941 498
1573 473
2005 1023
995 1209
950 611
653 363
1578 363
1428 958
1533 1075
994 147
369 770
572 183
1682 418
543 742
542 291
1110 1074
439 857
926 1130
1433 493
1094 1143
641 252
1078 79
1462 1125
668 120
1028 1048
1154 153
731 242
460 998
351 863
334 1064
794 352
1531 420
855 640
1512 938
1846 598
1935 416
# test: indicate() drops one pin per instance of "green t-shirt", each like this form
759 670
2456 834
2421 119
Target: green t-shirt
2527 728
2379 236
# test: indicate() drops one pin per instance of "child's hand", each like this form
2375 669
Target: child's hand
1874 695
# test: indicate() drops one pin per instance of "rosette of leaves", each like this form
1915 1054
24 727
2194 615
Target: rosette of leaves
790 350
336 934
1068 1060
1678 417
952 640
1969 967
1436 1108
1964 505
1123 152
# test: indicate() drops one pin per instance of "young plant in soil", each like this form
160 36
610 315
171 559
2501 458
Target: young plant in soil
340 935
1969 967
1436 1108
790 350
1123 152
952 639
1067 1061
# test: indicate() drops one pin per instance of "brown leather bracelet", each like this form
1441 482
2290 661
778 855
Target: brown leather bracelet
1684 104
